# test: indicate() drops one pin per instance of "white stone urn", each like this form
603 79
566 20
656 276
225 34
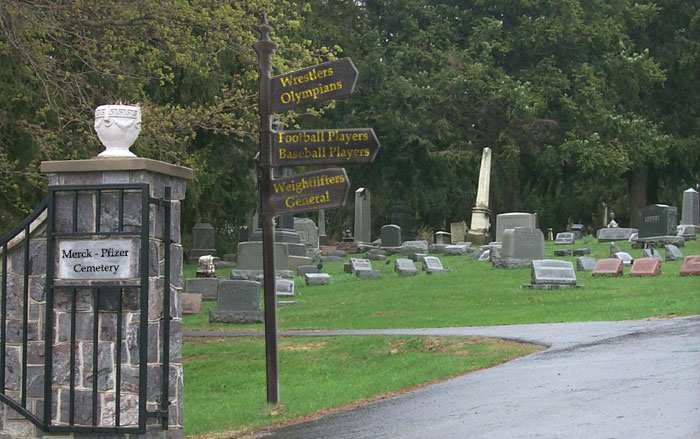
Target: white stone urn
117 126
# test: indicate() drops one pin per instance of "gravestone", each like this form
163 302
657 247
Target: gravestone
685 230
363 217
562 252
203 242
362 268
691 208
458 232
646 267
250 261
238 302
608 267
322 237
691 266
308 232
549 273
405 267
673 253
313 279
577 230
651 253
614 248
657 220
417 245
284 288
565 238
191 303
368 274
402 216
456 250
585 263
625 257
431 265
485 255
582 251
331 259
304 269
391 235
206 286
372 256
523 243
608 234
443 237
512 220
480 223
437 248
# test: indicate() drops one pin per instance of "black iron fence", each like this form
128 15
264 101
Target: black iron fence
79 347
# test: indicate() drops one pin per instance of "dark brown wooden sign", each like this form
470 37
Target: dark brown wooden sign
317 190
324 147
322 82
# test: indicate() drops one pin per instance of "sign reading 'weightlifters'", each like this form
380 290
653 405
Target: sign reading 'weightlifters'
317 190
324 147
322 82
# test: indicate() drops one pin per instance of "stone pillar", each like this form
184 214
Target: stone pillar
480 225
113 171
691 210
363 218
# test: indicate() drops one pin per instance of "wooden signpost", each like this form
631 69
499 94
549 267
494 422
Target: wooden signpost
307 192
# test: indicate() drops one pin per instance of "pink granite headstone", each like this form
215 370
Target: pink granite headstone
191 303
691 265
646 267
608 267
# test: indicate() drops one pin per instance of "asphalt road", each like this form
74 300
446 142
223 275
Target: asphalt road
631 379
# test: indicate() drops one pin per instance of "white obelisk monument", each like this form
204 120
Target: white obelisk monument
479 230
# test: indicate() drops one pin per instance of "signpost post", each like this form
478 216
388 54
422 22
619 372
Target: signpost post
311 191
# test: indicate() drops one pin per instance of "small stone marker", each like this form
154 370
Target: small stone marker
357 264
565 238
431 265
614 248
577 230
673 253
633 238
313 279
608 267
585 263
691 266
437 248
552 274
391 235
456 250
405 267
646 267
206 286
239 302
368 274
562 252
331 259
485 255
191 303
582 251
651 253
608 234
625 257
443 237
375 256
458 231
304 269
420 245
206 266
284 288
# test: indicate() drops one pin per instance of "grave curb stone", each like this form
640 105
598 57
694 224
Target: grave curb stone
563 252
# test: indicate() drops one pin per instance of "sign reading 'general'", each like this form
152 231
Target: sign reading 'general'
322 82
97 259
318 190
324 147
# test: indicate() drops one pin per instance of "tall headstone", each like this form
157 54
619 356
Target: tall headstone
523 243
458 231
657 220
203 242
480 225
322 237
691 208
363 218
402 216
308 232
512 220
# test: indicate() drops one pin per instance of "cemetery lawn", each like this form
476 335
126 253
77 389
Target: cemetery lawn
225 395
476 294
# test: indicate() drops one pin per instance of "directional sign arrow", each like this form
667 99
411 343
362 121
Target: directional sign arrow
324 147
317 190
322 82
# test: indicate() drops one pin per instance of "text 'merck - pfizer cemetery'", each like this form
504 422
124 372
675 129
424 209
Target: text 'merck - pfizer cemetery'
490 191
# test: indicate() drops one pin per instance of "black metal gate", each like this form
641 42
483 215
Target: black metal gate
74 348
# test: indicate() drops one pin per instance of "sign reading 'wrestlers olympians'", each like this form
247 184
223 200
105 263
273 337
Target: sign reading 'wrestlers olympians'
324 147
317 190
322 82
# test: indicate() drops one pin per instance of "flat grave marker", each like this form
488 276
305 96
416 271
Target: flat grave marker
313 279
565 238
673 253
550 273
405 267
608 267
431 265
625 257
284 288
585 263
651 253
691 266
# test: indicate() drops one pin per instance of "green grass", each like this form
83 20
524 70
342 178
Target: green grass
225 378
476 294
